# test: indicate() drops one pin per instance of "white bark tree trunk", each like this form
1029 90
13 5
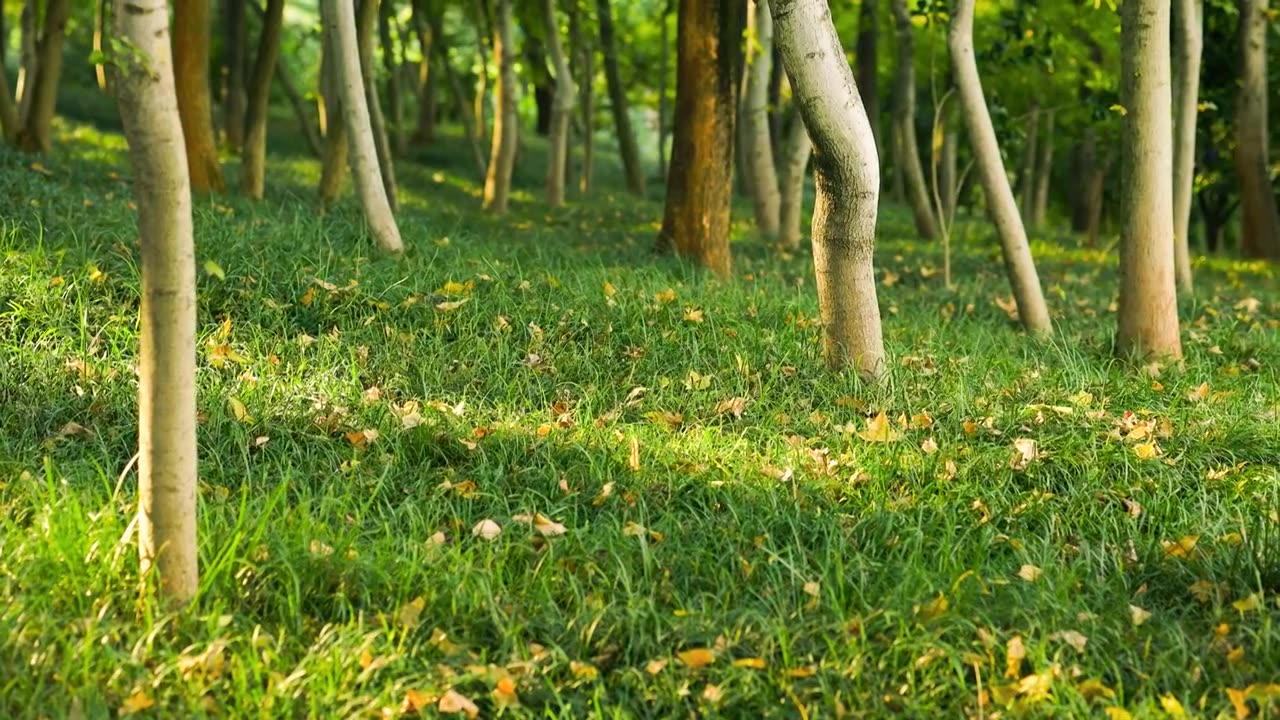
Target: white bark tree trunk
1020 267
167 316
757 146
847 176
340 26
1148 315
904 124
562 107
502 157
796 162
366 23
1260 233
1188 20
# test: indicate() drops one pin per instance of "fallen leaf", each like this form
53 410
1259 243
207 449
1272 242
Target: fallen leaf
1239 703
360 439
504 693
633 455
1117 713
1015 652
1025 450
1248 604
239 411
583 670
750 663
1030 573
712 693
546 527
696 657
1172 707
653 667
136 703
605 493
215 269
487 530
1071 637
879 429
454 702
450 306
1147 450
1138 615
1180 549
1198 394
409 616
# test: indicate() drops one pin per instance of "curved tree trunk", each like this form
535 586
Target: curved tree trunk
618 102
1188 21
366 22
1044 172
333 163
254 154
167 316
695 218
796 161
340 27
566 99
502 157
1260 220
1148 314
758 145
191 69
1019 266
37 124
866 59
904 123
847 177
235 38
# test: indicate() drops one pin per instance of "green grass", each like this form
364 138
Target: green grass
871 579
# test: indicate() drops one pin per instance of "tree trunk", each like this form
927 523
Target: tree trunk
1188 21
191 69
847 177
366 22
904 123
564 103
587 88
9 124
695 220
99 27
37 125
483 36
1096 195
395 101
425 26
757 144
949 180
235 37
776 77
1148 314
333 163
29 22
167 316
306 122
254 154
502 156
460 98
664 63
1260 221
618 101
791 211
340 27
1026 187
1019 266
1086 160
1044 173
866 57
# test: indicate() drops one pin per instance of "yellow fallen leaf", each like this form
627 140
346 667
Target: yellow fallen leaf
1172 707
1147 450
693 315
454 702
1071 637
1117 713
546 527
136 703
583 670
1025 450
309 296
215 269
451 305
653 667
609 289
696 657
1015 652
1092 689
360 439
487 530
1030 573
239 411
1138 615
750 663
504 693
1239 703
409 615
1180 549
1248 604
879 429
1198 394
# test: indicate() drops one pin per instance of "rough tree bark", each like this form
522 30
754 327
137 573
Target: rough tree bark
191 69
847 177
695 219
167 315
1019 266
562 107
758 145
1148 312
1260 220
254 153
502 156
334 160
235 37
904 123
1044 172
587 78
618 101
41 87
366 22
795 162
866 58
1188 22
340 27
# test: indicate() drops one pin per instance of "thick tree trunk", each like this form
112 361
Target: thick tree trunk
502 156
254 154
695 219
847 177
1148 314
1188 21
390 63
333 161
424 26
235 38
757 144
1260 231
167 316
1044 172
191 68
37 125
791 212
904 123
340 29
618 101
564 103
1019 266
866 59
366 22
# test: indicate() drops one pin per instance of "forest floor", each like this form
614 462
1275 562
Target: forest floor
696 518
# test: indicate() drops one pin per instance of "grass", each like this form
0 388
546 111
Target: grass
928 576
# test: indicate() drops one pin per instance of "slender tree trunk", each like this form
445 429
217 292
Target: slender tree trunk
306 121
1260 230
99 27
757 144
333 165
191 68
950 180
904 123
366 22
695 220
340 27
1026 186
1086 160
867 59
1019 266
395 101
1044 172
9 124
847 177
464 110
167 316
791 211
663 69
776 76
424 25
1188 22
1148 314
618 101
37 126
563 105
235 36
484 35
502 157
1095 198
587 87
30 24
254 154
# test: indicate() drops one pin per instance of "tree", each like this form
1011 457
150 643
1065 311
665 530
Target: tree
867 58
1188 21
758 146
235 44
695 218
1044 171
167 315
847 177
1019 266
1148 313
366 22
254 153
424 25
340 30
40 89
334 159
618 101
795 162
191 70
502 156
904 123
391 64
563 105
1260 232
587 75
